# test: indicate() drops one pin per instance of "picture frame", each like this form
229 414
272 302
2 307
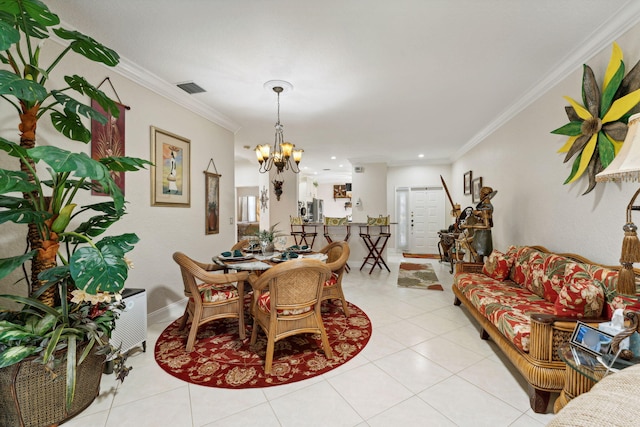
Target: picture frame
476 185
171 170
212 203
108 140
591 340
468 176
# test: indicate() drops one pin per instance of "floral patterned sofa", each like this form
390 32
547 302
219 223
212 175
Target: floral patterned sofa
528 299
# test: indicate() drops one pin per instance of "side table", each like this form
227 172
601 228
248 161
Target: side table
582 371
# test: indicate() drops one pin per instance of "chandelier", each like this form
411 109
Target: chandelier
282 153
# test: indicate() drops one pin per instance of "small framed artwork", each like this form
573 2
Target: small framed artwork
476 185
591 340
170 175
212 205
467 183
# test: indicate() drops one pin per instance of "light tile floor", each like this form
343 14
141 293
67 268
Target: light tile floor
425 365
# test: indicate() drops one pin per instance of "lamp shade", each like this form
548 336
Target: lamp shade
626 165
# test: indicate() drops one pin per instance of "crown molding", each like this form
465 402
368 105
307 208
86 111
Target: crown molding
602 37
144 78
147 79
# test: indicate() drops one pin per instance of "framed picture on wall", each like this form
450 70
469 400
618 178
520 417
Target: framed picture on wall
476 185
170 175
212 204
467 183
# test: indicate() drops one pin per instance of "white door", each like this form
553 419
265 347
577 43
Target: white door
426 216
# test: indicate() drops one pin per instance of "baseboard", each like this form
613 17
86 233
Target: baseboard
167 313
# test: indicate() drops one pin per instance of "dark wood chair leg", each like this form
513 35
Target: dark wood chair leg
484 335
456 301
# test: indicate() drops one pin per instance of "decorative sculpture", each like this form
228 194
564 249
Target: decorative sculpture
477 227
277 188
597 129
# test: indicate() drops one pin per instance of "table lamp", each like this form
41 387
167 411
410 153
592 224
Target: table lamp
626 167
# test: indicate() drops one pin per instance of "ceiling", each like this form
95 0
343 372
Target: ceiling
374 80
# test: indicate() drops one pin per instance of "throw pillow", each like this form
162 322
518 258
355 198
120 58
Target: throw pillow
521 264
608 277
580 297
546 274
622 301
497 265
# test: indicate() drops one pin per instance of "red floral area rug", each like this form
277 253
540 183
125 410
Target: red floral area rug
418 276
221 359
428 256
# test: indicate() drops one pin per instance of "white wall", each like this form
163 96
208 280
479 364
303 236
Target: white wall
532 205
162 230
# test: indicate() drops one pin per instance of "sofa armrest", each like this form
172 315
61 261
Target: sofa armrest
469 267
549 331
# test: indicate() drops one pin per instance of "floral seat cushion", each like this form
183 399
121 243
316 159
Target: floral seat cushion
214 293
505 304
264 304
332 280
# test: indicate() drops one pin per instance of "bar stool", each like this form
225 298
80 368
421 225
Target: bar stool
334 226
375 244
301 231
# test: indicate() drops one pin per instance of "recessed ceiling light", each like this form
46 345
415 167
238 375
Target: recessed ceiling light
421 155
333 157
341 166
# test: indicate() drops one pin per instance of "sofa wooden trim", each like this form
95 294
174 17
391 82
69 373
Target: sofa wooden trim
541 366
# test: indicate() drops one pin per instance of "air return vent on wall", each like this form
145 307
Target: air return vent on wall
358 169
190 88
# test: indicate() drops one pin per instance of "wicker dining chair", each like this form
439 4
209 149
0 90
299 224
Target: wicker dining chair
338 255
211 296
286 301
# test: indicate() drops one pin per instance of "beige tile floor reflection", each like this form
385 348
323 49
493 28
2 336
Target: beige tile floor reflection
425 365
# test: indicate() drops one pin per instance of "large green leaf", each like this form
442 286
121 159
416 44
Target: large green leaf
23 89
88 47
124 164
35 9
99 270
71 370
61 160
55 274
15 181
81 85
94 226
13 355
13 149
45 324
75 107
17 334
24 215
7 265
125 241
70 126
8 35
574 168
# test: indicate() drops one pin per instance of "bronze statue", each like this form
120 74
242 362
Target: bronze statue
477 227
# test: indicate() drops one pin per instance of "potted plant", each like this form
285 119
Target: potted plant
267 237
69 306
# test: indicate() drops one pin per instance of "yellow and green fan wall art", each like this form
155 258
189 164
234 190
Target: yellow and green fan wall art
597 129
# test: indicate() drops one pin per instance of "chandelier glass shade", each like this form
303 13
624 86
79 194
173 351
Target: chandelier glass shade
283 155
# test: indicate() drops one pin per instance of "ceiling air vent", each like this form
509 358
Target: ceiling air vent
190 88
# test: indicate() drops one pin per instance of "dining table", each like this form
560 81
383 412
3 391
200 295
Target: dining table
257 263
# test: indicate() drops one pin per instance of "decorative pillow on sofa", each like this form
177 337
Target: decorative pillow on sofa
608 277
580 297
521 264
627 302
497 265
546 274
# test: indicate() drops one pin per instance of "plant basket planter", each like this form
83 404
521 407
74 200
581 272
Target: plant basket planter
31 396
